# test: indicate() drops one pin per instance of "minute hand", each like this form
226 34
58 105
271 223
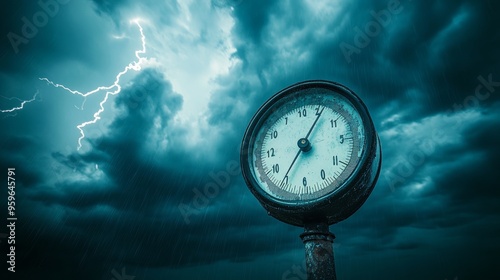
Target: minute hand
314 124
300 150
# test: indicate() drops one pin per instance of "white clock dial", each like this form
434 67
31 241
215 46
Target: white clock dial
311 153
307 147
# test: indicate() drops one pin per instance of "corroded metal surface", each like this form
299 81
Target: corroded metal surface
318 242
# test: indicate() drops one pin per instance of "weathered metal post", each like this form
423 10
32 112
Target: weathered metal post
318 242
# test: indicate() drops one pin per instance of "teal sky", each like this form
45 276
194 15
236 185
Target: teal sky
428 72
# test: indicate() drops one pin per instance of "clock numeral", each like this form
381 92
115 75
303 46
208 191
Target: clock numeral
270 152
274 134
304 182
302 113
317 111
286 120
335 160
276 168
342 139
323 176
285 181
334 123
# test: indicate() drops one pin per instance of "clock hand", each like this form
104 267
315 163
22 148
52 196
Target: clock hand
294 159
314 124
304 145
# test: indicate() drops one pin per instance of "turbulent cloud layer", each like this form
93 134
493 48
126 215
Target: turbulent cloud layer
157 191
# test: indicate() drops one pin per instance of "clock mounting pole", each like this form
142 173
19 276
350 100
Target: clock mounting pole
318 242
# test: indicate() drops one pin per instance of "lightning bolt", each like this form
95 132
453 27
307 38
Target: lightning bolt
112 89
23 102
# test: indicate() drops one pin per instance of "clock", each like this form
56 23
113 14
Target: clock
311 154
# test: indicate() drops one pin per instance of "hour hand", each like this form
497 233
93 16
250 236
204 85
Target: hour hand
314 124
286 174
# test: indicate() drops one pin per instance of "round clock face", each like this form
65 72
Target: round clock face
306 145
311 153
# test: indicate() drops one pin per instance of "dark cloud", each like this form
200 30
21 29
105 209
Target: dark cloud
403 64
109 6
136 205
252 18
138 195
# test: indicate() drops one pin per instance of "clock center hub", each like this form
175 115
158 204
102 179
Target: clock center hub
304 144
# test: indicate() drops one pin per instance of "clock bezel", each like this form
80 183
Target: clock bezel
339 203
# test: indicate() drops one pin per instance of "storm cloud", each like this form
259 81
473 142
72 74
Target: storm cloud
156 191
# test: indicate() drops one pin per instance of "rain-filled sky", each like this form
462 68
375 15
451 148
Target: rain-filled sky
116 115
